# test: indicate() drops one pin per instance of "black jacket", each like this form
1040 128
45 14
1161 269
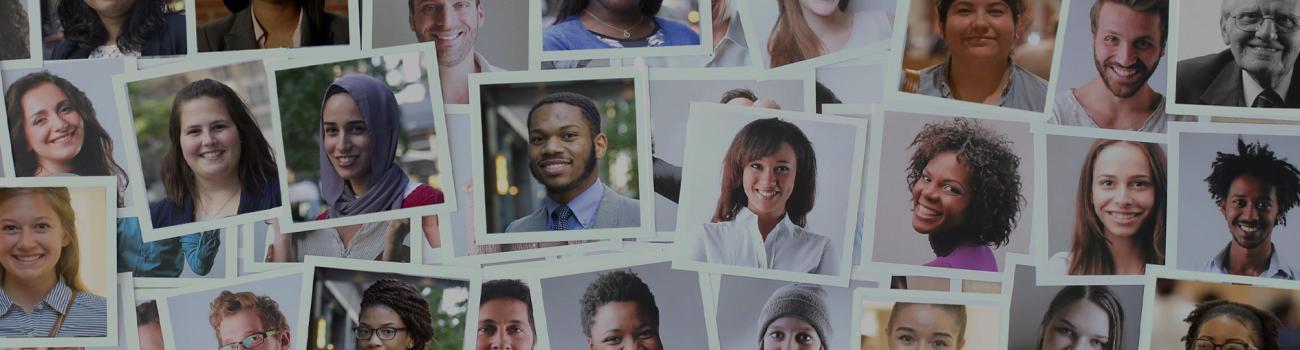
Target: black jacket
235 32
168 41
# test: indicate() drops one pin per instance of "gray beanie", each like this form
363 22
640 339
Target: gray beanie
804 301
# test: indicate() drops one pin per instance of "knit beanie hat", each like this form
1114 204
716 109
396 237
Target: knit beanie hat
804 301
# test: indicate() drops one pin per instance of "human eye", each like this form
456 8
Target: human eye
611 340
357 129
8 228
1234 346
803 338
647 334
1250 17
331 130
388 332
926 178
939 344
1065 331
253 340
569 136
1141 184
907 339
1111 39
1263 205
65 109
535 140
1145 44
1097 343
776 335
193 131
782 169
461 5
756 166
951 189
487 330
1286 21
514 330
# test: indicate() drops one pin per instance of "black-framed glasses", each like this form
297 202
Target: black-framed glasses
1251 21
1206 344
251 341
384 333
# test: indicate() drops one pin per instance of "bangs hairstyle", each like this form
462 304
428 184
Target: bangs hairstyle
405 300
68 266
792 40
1160 7
994 180
958 313
13 30
1017 8
1090 249
255 161
509 290
96 155
1262 324
81 25
228 303
570 8
761 138
618 286
1102 296
1255 159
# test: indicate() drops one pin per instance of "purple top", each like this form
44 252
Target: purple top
969 257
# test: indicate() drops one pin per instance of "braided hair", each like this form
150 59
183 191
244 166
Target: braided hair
404 299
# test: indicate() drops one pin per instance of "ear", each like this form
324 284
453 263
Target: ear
601 144
1223 30
480 13
590 345
285 339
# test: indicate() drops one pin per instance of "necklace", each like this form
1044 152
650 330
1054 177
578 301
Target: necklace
626 33
208 213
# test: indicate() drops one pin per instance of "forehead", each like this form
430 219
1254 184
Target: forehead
1121 18
44 91
1250 185
979 3
380 315
926 319
1122 157
202 110
1222 327
504 309
27 205
1282 6
1088 317
948 163
234 327
557 115
617 315
340 107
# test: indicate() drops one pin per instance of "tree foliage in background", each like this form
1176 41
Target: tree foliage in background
150 117
620 130
448 329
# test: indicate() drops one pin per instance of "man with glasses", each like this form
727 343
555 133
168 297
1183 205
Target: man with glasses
1257 69
246 321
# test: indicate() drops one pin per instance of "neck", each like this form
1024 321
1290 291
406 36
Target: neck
212 191
46 168
1114 112
358 187
455 79
824 25
1249 262
27 293
276 16
568 196
1271 82
618 18
1126 255
975 80
113 25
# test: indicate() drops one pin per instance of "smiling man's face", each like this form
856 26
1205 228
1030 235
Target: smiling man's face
1267 53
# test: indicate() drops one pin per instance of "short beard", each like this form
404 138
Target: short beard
1146 75
587 170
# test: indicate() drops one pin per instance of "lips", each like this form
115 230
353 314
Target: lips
1248 226
30 260
555 167
1123 217
979 41
446 39
771 193
925 213
345 161
213 155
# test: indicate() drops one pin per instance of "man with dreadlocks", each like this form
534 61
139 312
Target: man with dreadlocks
1254 189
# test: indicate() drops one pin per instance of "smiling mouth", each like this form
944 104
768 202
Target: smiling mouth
65 138
212 155
1265 49
1124 72
767 194
1248 227
555 167
924 212
441 38
1122 217
345 161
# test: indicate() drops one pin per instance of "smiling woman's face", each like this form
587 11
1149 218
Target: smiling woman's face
346 138
1082 325
54 129
31 238
209 139
769 180
942 194
979 29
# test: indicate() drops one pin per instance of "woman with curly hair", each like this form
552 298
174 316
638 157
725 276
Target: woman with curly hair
769 182
1119 217
13 31
1227 325
807 29
606 24
105 29
965 187
394 315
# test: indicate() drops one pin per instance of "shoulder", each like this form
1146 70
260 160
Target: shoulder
212 36
66 50
422 195
1067 111
165 213
174 23
557 33
1200 71
91 302
621 201
678 31
531 222
1031 80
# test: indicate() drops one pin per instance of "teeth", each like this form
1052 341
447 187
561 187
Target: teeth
212 155
767 193
1123 216
1125 72
447 37
926 211
347 160
27 258
1248 228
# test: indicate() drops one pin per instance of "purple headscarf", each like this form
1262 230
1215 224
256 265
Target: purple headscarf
387 182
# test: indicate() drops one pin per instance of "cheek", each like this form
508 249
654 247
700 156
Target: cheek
190 145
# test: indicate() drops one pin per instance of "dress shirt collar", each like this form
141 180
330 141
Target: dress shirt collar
1252 88
259 35
783 228
57 299
1277 267
583 206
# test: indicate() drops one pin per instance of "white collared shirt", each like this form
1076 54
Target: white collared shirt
1277 266
788 247
1252 88
259 34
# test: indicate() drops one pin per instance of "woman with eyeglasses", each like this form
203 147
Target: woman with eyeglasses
394 315
1227 325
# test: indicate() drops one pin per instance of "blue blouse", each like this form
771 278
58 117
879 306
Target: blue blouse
253 198
569 34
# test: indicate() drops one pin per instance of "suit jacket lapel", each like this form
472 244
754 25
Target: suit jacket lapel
1293 95
1226 89
605 215
240 36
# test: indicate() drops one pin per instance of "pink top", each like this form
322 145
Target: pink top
968 257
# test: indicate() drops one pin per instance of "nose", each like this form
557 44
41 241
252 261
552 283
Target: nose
1125 197
1250 213
1267 29
374 342
981 21
26 241
1125 55
443 16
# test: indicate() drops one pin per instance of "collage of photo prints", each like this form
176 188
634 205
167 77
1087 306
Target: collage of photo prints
650 174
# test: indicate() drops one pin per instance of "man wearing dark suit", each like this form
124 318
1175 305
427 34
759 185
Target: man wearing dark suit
262 24
564 142
1258 68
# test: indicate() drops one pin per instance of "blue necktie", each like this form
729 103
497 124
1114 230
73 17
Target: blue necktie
560 218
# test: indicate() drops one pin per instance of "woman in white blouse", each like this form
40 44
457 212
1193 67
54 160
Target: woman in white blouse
769 177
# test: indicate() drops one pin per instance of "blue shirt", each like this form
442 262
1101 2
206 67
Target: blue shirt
253 198
164 258
1024 90
583 206
569 34
1277 267
88 316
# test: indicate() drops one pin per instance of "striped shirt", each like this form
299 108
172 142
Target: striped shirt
88 317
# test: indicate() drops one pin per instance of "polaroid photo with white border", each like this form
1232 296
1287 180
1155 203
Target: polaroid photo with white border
185 312
573 40
235 43
1030 326
873 314
30 41
773 23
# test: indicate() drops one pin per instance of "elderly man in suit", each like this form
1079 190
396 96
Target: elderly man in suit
1258 68
564 142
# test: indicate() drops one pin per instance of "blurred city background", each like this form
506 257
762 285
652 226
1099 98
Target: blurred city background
1033 51
511 190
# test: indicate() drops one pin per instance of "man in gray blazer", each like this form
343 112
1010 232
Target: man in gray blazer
564 142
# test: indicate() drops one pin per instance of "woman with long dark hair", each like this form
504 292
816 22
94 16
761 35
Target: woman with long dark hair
607 24
14 31
769 182
808 29
264 24
1119 211
218 163
104 29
